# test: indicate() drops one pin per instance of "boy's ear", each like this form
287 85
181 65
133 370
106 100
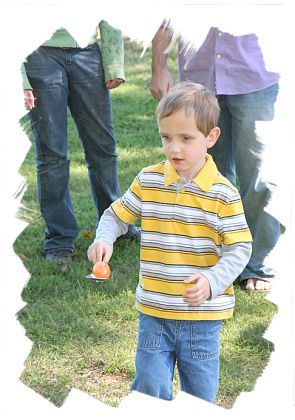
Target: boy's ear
213 137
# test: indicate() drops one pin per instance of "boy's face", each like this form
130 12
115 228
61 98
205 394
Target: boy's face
183 144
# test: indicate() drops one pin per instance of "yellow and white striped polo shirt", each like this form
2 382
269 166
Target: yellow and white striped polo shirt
183 228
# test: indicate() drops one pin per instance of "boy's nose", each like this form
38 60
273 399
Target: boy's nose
175 147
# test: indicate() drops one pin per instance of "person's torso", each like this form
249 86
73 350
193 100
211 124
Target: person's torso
63 39
180 236
226 64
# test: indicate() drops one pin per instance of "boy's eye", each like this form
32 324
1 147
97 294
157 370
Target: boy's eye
186 138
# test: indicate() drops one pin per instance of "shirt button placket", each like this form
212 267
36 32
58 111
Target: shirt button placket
219 33
218 50
179 187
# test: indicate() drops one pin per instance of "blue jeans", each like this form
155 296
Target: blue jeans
194 345
239 153
74 78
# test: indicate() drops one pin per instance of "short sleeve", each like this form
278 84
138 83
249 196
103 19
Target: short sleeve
232 222
128 207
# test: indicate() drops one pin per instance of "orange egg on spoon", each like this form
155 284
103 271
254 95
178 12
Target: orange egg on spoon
101 270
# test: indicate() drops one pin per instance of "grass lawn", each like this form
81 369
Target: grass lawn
85 335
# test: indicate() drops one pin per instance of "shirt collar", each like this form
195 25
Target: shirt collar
204 179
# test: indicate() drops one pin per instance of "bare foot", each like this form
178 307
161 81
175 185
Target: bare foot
250 285
257 285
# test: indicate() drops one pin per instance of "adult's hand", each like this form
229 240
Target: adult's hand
29 99
161 83
112 84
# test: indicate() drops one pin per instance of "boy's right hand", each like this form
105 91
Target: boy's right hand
100 251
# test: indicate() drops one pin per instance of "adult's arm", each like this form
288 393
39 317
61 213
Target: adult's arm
162 80
112 50
28 91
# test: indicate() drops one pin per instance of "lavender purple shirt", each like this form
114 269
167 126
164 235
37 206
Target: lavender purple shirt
226 64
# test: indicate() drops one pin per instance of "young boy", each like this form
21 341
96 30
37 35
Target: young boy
194 243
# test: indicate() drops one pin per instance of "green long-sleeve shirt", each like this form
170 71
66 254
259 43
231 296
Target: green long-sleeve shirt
110 42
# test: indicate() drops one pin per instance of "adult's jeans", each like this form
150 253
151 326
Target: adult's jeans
239 153
194 345
74 78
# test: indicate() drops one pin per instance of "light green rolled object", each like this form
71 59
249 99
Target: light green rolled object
112 50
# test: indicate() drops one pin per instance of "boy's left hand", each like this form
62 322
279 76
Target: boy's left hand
197 294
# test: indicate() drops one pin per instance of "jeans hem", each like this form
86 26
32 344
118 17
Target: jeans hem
254 276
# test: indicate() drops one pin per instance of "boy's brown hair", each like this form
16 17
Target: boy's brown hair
192 98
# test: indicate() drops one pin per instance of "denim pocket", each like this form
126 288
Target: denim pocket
205 339
150 332
45 70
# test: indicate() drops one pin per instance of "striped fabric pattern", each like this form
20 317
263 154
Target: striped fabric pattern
183 229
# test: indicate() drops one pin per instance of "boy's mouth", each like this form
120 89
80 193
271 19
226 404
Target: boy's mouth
177 160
